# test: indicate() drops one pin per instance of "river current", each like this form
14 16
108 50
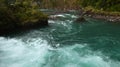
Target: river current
64 43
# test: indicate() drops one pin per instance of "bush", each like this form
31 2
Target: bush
19 13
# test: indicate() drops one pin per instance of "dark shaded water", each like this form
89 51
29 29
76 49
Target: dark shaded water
94 43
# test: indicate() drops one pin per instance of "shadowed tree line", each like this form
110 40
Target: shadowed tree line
59 4
106 5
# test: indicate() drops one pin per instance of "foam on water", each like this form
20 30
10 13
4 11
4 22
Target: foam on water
37 53
31 50
15 53
78 56
59 15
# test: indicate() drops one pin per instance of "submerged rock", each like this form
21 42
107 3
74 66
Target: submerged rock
80 19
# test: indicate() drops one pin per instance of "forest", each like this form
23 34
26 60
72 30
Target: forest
105 5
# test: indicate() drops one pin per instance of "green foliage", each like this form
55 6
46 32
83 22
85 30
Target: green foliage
97 11
59 4
20 12
106 5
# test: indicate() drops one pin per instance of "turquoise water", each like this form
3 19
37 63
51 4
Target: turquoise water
64 43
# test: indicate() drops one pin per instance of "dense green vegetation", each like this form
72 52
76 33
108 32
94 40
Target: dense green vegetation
19 13
59 4
104 5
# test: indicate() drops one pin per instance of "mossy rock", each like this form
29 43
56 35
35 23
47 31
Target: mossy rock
21 14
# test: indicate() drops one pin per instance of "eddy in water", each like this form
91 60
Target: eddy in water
93 44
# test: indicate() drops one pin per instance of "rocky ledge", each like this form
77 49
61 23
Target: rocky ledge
10 27
110 18
98 15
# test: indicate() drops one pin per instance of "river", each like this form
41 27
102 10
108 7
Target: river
64 43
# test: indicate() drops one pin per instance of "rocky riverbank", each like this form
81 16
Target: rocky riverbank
111 18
